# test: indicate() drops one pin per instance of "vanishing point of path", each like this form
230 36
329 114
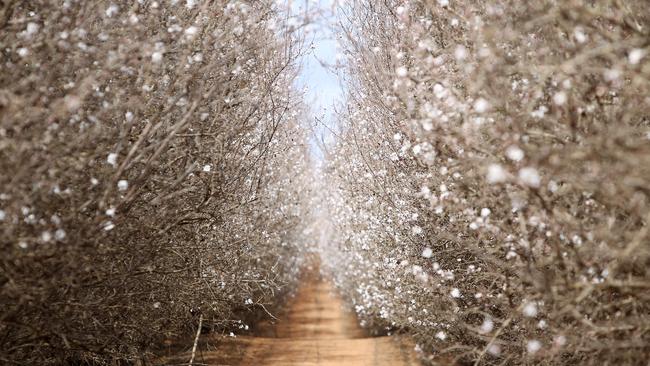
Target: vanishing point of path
316 330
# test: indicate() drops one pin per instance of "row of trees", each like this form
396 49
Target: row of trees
151 154
491 178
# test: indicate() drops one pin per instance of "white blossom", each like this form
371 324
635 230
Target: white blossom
560 98
460 53
494 349
514 153
108 226
636 55
487 326
112 10
59 234
496 174
157 57
579 35
481 105
533 345
530 176
32 28
539 112
530 309
122 185
576 240
191 31
111 159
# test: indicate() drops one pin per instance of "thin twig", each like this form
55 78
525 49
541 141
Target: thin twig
196 339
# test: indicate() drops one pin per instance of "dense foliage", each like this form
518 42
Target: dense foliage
491 178
150 163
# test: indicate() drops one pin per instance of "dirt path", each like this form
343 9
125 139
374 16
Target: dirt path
316 330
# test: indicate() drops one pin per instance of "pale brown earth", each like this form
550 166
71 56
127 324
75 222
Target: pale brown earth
315 330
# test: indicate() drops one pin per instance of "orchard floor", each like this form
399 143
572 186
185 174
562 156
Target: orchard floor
315 330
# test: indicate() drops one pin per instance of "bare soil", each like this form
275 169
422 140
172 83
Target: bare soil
316 329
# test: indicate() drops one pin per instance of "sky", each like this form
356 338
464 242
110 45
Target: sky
319 81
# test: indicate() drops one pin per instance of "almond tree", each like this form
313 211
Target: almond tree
151 155
490 182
